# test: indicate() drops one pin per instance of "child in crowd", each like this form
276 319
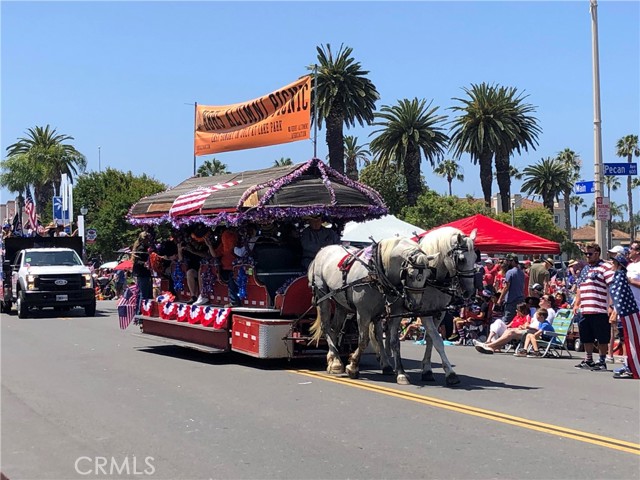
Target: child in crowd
543 330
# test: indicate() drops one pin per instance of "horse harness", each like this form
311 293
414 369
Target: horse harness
376 275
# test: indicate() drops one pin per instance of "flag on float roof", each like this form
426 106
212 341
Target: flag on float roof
30 209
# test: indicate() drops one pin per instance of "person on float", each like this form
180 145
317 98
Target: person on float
140 269
314 237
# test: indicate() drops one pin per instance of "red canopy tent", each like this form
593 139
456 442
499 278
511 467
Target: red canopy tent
497 237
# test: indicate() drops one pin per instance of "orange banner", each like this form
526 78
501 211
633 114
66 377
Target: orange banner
280 117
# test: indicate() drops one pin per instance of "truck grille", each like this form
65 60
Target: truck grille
48 282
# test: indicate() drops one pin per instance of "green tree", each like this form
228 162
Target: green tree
520 132
433 210
354 153
538 221
572 163
17 174
391 186
211 168
628 147
576 202
409 129
493 120
451 170
547 179
108 196
283 162
344 95
50 157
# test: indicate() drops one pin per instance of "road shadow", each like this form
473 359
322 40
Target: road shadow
369 372
49 313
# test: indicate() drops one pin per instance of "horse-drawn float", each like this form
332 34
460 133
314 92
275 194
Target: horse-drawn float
269 208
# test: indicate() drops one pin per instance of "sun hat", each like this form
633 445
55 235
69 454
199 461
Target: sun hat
549 260
622 260
488 260
617 249
572 263
537 286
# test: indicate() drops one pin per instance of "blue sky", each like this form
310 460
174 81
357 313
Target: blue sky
120 75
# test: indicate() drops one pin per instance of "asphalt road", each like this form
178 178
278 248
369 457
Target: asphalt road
82 399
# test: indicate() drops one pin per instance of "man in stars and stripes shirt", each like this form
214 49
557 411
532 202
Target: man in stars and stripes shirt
626 309
593 302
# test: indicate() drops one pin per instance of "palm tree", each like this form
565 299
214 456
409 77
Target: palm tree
354 153
408 128
345 95
519 132
17 174
451 170
493 121
47 152
572 163
211 168
612 183
283 162
546 179
576 202
628 147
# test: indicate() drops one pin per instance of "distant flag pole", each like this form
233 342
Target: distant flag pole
195 126
315 111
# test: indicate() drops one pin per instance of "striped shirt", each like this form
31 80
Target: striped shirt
593 284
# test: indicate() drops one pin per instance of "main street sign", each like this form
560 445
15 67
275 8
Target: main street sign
620 169
582 188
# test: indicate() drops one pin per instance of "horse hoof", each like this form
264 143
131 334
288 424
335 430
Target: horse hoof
452 379
339 370
353 373
387 370
403 380
428 376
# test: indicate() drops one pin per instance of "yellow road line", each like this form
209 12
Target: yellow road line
586 437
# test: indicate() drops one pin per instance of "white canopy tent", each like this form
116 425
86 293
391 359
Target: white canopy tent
358 233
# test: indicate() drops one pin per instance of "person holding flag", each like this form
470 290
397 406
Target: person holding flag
626 309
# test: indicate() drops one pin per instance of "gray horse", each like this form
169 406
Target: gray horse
392 279
455 276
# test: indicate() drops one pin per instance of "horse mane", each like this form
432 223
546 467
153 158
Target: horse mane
439 241
387 245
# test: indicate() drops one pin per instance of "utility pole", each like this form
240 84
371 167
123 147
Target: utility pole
601 238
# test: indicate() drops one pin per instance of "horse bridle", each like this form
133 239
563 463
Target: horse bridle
457 255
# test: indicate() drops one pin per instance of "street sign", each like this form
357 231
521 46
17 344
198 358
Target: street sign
603 209
620 169
582 188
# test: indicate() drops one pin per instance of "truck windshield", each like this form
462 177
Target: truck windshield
42 259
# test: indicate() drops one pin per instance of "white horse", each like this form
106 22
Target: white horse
454 276
391 280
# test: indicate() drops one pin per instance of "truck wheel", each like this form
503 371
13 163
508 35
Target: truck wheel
23 310
6 307
90 310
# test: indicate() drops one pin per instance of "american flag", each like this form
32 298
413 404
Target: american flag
193 200
30 208
127 306
628 312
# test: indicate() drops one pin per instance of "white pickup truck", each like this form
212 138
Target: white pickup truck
46 276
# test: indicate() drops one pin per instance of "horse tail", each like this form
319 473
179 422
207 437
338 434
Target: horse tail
316 328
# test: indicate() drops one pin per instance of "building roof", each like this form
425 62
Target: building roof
588 233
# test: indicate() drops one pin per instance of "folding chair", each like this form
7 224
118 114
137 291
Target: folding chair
558 344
